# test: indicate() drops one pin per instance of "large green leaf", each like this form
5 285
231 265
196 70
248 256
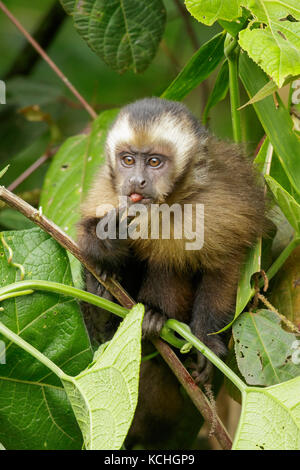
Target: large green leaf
270 418
70 175
104 396
124 33
276 48
209 11
34 409
199 67
276 121
263 349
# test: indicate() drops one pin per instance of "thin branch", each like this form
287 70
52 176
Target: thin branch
194 392
170 55
44 35
32 168
187 21
49 61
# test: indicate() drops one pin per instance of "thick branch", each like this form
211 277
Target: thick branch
49 61
194 392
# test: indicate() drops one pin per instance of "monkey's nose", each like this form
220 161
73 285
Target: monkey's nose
138 182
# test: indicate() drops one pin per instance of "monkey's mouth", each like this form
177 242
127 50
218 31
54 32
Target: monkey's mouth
137 198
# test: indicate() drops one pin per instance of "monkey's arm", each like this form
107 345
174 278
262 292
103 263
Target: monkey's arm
166 295
214 306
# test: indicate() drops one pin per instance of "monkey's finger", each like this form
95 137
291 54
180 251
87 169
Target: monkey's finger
152 324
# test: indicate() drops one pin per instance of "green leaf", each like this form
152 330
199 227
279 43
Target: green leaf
234 27
124 33
286 202
219 91
209 11
265 91
270 164
276 121
199 67
12 220
105 415
270 418
261 162
70 175
263 349
245 290
276 48
250 267
277 51
34 409
2 172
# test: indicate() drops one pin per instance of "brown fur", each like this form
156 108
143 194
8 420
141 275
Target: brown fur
197 287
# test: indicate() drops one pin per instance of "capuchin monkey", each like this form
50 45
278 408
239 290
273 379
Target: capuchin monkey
158 155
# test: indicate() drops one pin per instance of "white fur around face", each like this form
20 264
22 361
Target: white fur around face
120 132
177 132
167 128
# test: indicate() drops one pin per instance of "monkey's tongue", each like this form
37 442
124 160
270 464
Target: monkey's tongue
135 197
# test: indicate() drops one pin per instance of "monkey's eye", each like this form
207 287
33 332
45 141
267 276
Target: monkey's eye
154 162
128 160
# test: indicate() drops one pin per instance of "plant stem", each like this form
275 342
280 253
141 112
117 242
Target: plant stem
31 350
183 330
9 295
231 51
70 291
47 59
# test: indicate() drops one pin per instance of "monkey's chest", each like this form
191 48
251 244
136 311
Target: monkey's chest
169 254
169 290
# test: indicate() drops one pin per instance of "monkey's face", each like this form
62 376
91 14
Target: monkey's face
150 146
143 172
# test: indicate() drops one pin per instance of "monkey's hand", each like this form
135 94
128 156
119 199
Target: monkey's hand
101 241
152 324
202 368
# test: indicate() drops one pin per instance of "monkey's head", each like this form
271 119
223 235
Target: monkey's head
150 145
